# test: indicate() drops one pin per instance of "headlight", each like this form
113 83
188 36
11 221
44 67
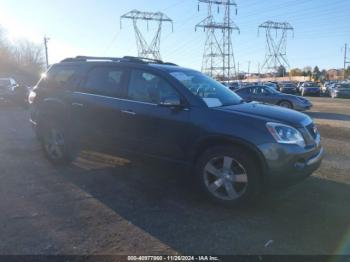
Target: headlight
302 100
284 134
31 97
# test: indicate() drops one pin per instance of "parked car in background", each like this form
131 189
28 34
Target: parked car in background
299 86
20 95
310 88
269 95
277 84
272 85
138 107
234 85
340 90
288 88
7 88
327 87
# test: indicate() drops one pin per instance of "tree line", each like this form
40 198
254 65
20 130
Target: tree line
22 60
314 73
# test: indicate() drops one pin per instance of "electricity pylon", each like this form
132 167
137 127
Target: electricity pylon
276 45
218 58
145 49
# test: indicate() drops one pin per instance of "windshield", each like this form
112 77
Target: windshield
289 85
5 83
344 86
210 91
311 85
271 90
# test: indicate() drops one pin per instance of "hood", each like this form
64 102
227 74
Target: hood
270 113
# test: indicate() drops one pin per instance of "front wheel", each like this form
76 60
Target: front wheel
57 145
228 175
286 104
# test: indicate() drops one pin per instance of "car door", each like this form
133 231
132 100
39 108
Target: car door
261 94
151 128
97 107
245 93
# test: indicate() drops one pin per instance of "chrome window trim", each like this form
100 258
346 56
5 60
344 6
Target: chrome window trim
116 98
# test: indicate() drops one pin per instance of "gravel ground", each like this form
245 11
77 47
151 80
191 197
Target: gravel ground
107 205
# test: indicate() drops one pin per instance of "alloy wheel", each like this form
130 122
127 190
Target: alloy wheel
54 144
286 105
225 178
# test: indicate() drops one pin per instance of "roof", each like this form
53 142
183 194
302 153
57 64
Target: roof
125 59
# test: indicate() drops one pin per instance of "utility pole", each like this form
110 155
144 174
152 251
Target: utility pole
46 40
276 45
249 67
346 59
145 49
218 58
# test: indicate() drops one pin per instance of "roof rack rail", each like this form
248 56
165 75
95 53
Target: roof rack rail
143 59
89 58
132 59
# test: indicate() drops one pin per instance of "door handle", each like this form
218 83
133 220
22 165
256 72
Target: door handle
128 112
77 105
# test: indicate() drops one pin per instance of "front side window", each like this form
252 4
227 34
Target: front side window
149 88
106 81
58 76
210 91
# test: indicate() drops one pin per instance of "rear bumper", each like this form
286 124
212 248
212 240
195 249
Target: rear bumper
290 164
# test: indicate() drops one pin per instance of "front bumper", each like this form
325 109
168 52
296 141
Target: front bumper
342 94
289 164
302 106
312 91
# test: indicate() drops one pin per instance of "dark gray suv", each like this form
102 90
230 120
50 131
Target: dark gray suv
134 106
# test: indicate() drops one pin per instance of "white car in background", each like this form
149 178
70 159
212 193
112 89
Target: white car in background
7 88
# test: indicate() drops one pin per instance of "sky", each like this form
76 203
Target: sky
92 27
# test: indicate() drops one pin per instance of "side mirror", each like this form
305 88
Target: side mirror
173 101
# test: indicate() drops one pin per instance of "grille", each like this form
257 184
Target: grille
312 130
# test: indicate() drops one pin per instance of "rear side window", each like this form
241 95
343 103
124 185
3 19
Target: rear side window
244 91
59 77
259 90
149 88
106 81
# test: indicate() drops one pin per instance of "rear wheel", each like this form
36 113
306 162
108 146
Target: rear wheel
286 104
57 144
228 175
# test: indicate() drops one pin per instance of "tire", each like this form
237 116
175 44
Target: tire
216 175
286 104
57 143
